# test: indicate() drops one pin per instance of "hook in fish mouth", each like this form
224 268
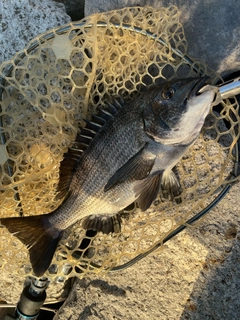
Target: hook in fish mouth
217 98
198 86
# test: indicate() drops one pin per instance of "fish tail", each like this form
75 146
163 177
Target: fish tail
37 234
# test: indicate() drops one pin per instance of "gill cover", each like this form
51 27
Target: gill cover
166 114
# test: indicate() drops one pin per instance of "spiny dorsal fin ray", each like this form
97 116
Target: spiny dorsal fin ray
66 173
137 168
105 114
98 119
110 108
82 141
67 166
88 132
118 104
83 138
92 125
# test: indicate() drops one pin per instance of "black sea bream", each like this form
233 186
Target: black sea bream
129 159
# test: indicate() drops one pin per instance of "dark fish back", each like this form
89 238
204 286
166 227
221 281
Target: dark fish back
118 140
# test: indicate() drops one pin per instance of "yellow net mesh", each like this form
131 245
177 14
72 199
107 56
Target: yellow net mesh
59 79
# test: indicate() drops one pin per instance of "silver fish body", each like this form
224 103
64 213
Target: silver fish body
130 158
111 149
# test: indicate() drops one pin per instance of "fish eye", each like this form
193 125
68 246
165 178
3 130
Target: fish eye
167 93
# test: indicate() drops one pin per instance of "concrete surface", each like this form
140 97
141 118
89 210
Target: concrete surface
195 277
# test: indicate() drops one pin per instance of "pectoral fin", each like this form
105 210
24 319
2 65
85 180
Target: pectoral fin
136 168
147 190
165 183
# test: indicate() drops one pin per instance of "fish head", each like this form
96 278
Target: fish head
177 110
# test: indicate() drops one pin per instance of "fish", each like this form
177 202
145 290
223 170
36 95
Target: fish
125 153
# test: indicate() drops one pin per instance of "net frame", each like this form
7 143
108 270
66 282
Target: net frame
68 262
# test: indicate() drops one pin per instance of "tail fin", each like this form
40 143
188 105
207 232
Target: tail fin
39 236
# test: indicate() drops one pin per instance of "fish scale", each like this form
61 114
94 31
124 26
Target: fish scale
99 171
130 158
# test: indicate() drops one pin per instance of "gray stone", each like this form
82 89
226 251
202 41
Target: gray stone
22 20
211 27
75 9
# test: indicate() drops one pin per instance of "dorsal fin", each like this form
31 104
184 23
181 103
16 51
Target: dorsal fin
66 171
110 108
118 104
88 132
83 139
105 114
98 119
81 143
92 125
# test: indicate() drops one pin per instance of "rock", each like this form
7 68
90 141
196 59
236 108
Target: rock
211 28
75 9
23 20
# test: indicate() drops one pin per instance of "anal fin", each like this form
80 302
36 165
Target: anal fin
103 223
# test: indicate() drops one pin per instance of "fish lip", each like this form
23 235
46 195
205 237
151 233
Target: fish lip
198 86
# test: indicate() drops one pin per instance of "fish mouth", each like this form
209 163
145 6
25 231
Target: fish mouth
196 89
